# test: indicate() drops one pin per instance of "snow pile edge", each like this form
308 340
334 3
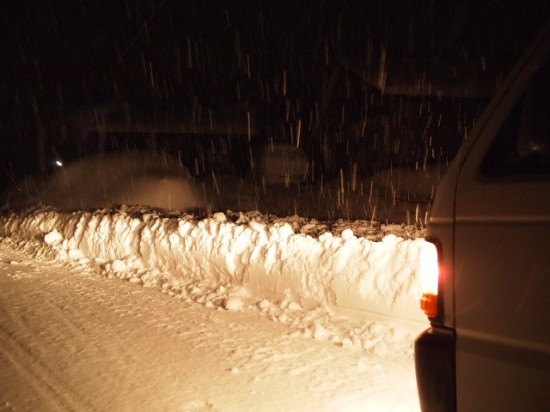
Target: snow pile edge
345 271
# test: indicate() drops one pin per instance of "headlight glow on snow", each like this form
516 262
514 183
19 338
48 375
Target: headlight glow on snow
429 278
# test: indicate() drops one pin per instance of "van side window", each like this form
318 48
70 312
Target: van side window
522 146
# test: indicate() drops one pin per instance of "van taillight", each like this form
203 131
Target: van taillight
429 278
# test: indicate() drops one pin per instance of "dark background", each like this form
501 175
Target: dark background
370 83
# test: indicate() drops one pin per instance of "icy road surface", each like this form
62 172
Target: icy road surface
71 339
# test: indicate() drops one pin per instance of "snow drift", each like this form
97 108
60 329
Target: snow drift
265 259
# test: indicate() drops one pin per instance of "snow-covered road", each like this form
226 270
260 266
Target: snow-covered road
71 339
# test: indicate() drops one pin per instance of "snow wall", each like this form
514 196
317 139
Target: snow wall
344 272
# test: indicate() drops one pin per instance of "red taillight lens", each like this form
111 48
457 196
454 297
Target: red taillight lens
429 278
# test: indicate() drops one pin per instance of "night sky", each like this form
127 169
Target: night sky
327 65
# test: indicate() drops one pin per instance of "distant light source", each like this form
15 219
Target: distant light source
59 163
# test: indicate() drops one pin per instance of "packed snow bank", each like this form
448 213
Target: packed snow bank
240 258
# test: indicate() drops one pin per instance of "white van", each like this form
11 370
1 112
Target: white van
488 297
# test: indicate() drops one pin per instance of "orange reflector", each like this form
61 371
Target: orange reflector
428 303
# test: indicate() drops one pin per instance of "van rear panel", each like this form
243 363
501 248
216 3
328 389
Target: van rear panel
497 293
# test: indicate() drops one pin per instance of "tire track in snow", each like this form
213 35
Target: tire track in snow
72 316
54 392
82 329
29 362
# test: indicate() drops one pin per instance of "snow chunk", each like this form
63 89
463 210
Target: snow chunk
234 303
219 217
53 238
118 266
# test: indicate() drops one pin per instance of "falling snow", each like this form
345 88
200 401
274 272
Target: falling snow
277 163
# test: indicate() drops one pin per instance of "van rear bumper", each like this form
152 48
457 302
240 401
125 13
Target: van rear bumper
434 357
